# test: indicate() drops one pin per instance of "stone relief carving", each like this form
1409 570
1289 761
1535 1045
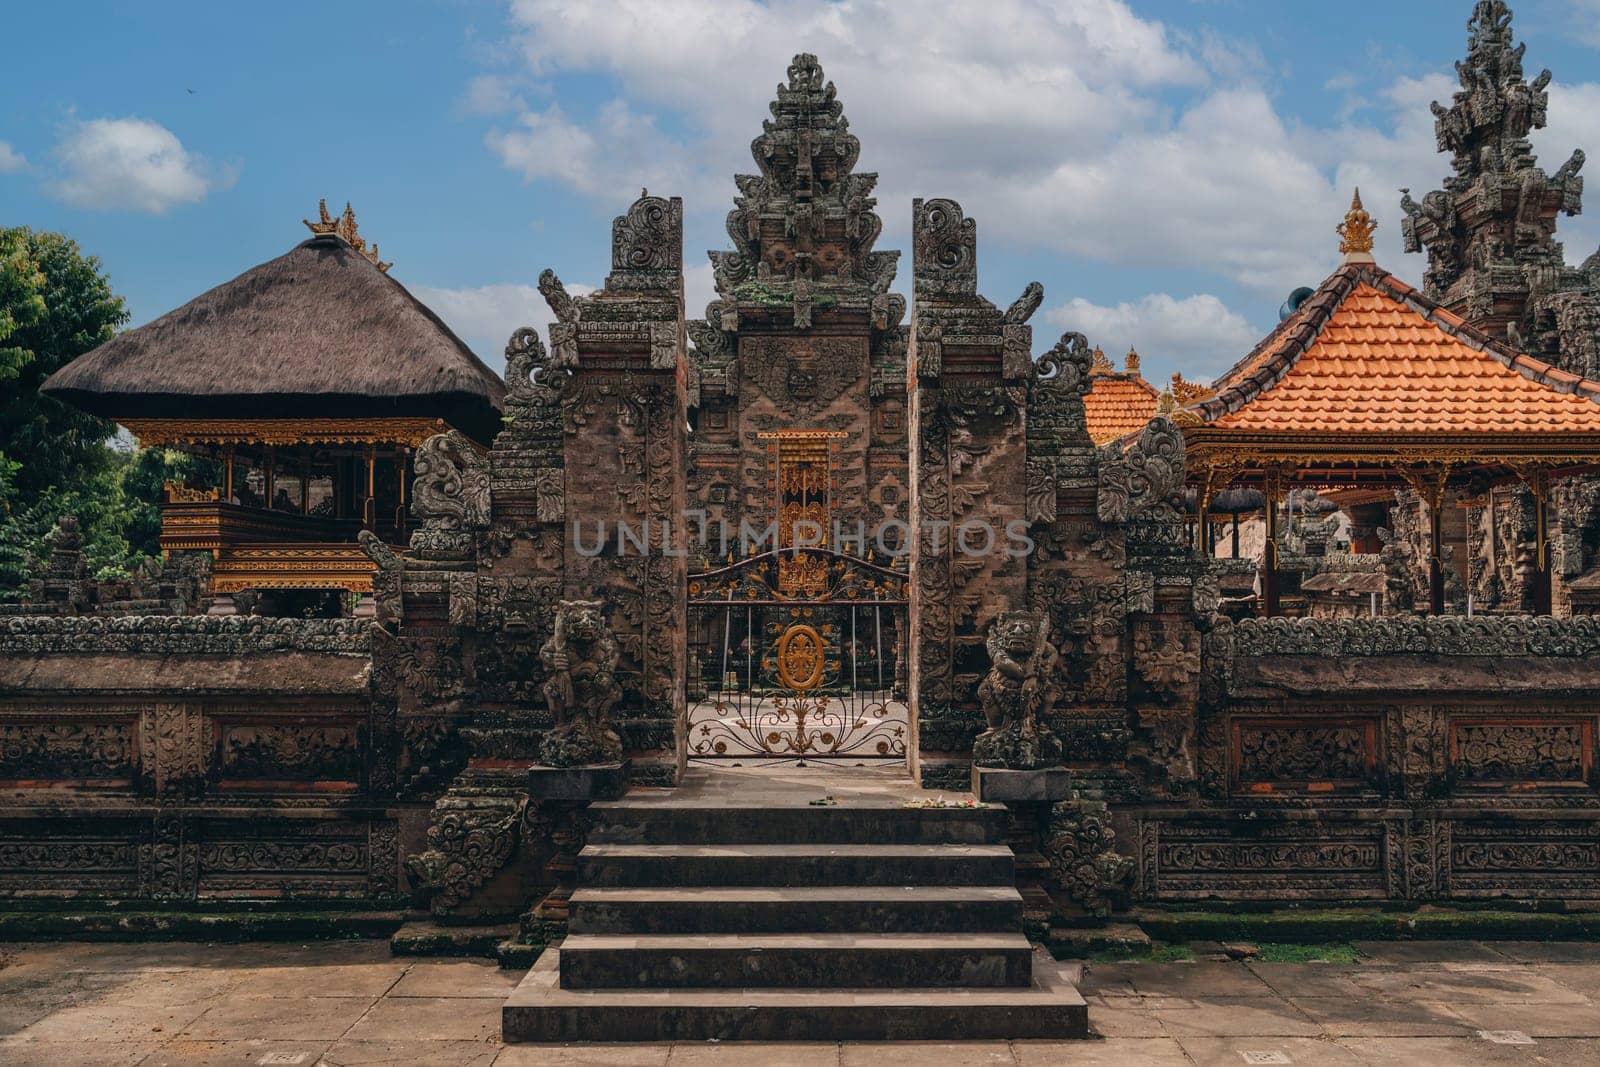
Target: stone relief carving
581 660
1018 693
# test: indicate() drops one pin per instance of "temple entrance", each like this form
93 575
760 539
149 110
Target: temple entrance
798 654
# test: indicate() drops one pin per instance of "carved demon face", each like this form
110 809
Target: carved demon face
802 382
585 625
1015 634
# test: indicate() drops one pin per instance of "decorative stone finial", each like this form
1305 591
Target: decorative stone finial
1133 360
344 227
1100 363
1355 233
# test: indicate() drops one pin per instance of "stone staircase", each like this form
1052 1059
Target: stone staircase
703 917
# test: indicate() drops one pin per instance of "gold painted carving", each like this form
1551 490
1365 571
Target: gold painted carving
800 658
160 433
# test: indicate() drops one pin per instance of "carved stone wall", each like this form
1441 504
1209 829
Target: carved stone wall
970 366
1401 758
193 758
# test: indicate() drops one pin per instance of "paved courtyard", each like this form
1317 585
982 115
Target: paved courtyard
1422 1004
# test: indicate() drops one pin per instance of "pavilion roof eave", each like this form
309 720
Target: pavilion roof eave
1249 447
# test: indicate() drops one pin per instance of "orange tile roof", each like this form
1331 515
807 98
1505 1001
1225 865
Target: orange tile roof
1367 354
1118 404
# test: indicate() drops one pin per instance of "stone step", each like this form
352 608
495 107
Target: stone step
834 909
794 865
539 1010
809 961
625 822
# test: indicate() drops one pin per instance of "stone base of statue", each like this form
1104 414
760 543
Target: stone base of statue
579 742
591 781
1002 785
1016 748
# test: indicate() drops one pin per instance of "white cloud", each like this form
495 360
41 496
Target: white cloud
1074 127
620 145
485 316
1066 126
11 160
492 94
1574 123
129 163
1197 334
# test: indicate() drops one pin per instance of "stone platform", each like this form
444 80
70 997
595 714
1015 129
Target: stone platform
795 904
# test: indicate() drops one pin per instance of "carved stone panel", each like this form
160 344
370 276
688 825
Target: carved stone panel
1304 755
1521 753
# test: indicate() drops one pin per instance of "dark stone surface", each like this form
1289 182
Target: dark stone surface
1045 785
594 781
797 961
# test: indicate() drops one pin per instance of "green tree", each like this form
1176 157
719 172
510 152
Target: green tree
55 304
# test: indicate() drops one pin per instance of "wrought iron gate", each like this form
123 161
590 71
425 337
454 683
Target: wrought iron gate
798 654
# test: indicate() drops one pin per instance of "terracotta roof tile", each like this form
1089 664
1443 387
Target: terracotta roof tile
1384 360
1117 405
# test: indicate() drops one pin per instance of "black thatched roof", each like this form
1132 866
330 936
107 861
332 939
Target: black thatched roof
319 332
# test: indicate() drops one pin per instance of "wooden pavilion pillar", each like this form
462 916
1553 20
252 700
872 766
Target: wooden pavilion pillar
1538 481
1429 483
305 483
271 474
1435 551
1271 589
369 509
227 475
1202 500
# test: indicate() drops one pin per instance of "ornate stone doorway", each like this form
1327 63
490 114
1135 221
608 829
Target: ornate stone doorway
798 654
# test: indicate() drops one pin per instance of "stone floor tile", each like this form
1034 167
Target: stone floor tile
75 1053
157 989
1374 1017
922 1054
1197 980
814 1054
1582 978
1550 951
333 980
1239 1051
585 1056
1309 979
457 978
1234 1017
1112 1052
1109 979
1456 986
1535 1020
410 1054
430 1019
186 1053
1414 952
1466 1052
112 1022
309 1018
1122 1017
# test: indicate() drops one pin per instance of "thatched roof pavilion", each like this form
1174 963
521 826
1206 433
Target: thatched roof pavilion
317 333
310 380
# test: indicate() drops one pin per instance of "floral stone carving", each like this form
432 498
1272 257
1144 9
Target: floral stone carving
581 658
1084 863
1018 692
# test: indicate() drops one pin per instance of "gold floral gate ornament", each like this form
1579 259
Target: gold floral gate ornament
797 654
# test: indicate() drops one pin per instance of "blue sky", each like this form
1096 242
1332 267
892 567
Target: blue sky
1169 170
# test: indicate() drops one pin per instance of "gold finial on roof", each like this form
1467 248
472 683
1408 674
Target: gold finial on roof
1133 361
1101 364
1355 233
1166 403
1188 392
344 227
